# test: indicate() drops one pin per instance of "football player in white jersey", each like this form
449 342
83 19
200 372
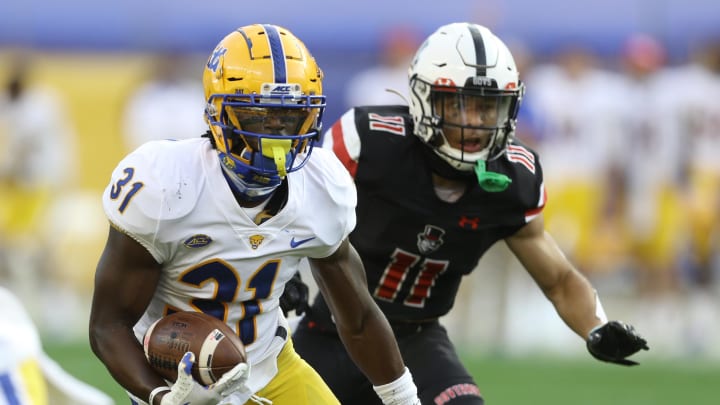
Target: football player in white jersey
652 132
28 376
220 223
578 136
700 118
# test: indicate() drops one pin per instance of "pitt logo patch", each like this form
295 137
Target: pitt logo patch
228 162
197 241
256 240
214 61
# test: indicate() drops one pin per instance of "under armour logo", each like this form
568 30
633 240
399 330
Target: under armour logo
443 81
471 223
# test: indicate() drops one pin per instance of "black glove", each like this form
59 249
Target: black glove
614 341
295 296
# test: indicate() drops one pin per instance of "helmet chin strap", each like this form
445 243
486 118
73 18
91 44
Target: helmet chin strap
441 167
250 193
490 181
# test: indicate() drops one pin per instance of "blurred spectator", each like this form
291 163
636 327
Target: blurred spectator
37 162
699 105
168 105
653 145
576 101
529 124
370 86
27 375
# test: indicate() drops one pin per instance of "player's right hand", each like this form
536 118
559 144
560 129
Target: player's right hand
614 342
187 391
295 296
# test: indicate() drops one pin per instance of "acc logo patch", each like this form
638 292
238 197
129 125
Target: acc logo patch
256 240
197 241
280 88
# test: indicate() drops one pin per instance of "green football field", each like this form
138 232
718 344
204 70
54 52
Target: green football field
515 381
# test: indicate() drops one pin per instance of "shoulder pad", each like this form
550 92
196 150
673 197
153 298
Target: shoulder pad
159 181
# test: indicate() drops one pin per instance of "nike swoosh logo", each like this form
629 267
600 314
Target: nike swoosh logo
295 243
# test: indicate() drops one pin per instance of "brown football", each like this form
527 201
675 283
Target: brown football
216 347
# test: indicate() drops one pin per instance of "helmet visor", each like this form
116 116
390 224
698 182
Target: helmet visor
475 109
269 120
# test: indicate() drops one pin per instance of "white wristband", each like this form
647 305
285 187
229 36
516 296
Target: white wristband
599 311
155 392
402 391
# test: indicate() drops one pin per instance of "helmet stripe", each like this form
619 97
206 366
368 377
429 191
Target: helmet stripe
480 57
277 53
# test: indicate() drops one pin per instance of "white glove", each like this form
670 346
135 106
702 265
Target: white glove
402 391
187 391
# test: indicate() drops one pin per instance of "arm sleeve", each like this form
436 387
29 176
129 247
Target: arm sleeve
344 140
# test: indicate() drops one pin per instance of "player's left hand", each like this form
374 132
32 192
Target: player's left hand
295 296
614 341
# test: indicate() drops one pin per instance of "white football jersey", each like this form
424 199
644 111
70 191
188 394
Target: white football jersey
699 107
172 197
19 339
21 351
580 121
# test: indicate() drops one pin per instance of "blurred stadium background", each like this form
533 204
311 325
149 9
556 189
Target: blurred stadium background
97 63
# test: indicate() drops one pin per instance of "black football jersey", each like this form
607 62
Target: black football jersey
416 247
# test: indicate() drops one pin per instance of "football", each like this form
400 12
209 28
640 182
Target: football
216 347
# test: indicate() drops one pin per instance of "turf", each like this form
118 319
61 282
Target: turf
515 381
77 359
584 381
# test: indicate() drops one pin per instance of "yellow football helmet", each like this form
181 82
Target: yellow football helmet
264 107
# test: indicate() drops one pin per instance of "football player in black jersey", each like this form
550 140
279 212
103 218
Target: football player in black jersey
438 183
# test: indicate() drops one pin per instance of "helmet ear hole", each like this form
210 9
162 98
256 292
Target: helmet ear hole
210 110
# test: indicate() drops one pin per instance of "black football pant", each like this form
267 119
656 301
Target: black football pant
426 349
